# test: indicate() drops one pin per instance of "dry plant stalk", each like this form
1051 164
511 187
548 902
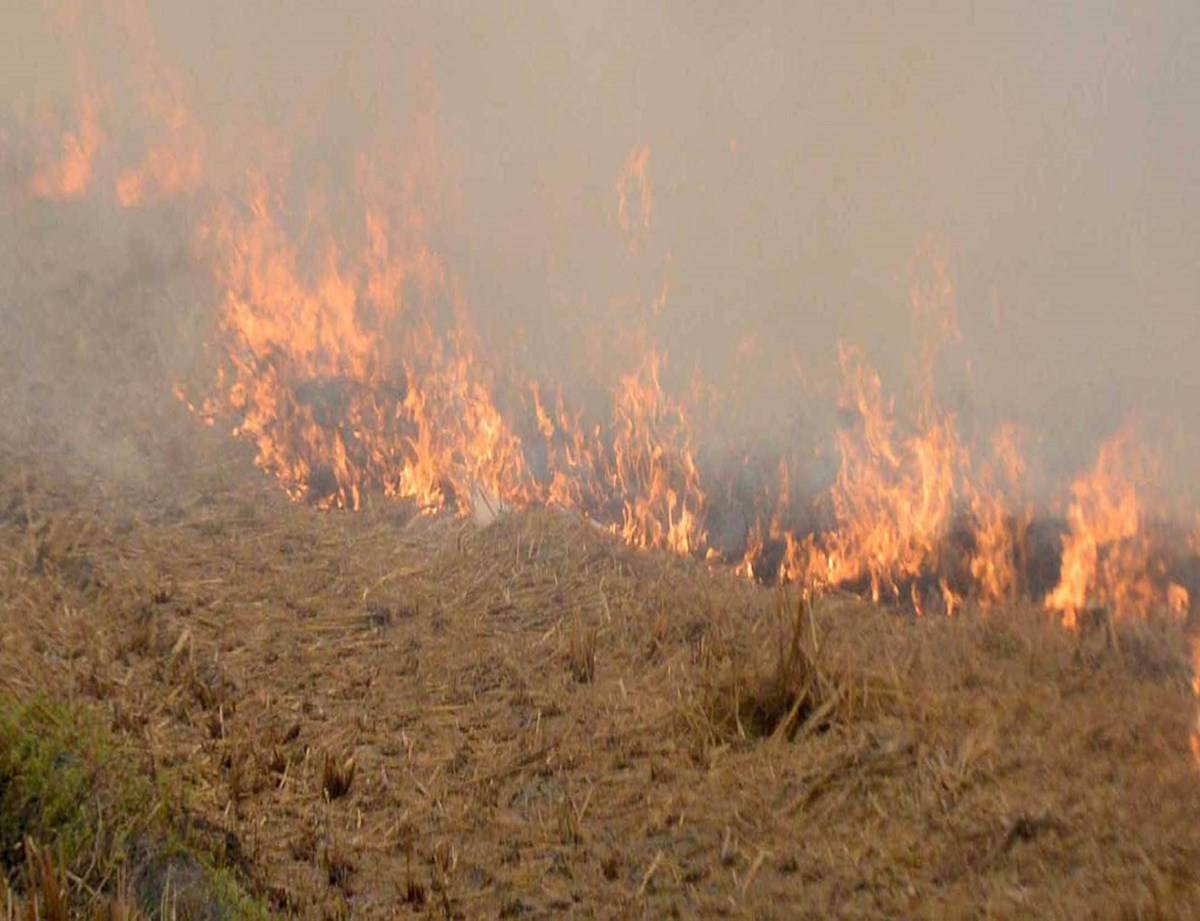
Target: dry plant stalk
581 657
47 885
337 776
792 697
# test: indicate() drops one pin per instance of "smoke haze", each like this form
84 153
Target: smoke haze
801 160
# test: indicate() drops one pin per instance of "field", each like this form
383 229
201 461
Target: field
650 460
376 714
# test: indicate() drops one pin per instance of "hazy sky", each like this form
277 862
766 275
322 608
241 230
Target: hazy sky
801 155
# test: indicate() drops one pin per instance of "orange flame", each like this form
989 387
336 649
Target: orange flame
172 166
1195 735
934 316
893 499
336 392
347 378
1106 555
654 467
1178 600
633 189
68 174
996 529
351 365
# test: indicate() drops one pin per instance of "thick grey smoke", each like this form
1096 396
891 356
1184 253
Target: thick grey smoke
801 156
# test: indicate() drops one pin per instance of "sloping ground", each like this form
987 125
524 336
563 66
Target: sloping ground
526 719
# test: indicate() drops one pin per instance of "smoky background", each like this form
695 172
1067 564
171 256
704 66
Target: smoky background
800 157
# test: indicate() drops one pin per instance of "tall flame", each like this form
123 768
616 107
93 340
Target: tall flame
1106 554
635 196
893 497
998 522
68 173
339 375
653 465
172 165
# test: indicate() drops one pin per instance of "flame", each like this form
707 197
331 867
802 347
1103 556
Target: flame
349 361
893 498
340 385
1195 735
634 190
934 315
1178 600
795 555
654 466
68 174
170 167
1106 554
639 473
576 460
362 373
898 487
172 163
996 529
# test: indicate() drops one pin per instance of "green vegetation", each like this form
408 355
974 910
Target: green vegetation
79 817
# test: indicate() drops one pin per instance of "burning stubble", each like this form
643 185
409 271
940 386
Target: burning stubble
938 285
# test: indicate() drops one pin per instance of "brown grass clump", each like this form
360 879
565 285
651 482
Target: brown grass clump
784 686
581 657
46 885
44 896
118 906
337 776
775 702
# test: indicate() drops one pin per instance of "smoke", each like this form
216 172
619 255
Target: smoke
801 159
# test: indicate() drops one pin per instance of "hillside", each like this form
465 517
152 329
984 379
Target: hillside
528 719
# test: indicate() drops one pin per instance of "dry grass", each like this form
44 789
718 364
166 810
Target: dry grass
43 894
784 688
337 776
370 714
